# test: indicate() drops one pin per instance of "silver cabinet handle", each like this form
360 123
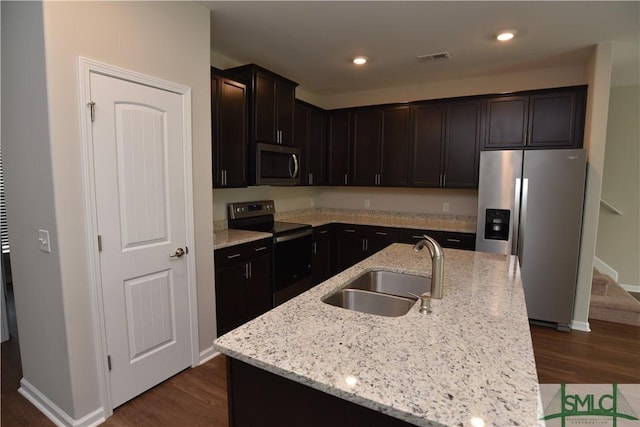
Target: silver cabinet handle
178 253
250 272
324 231
453 240
349 230
310 178
345 179
261 248
315 248
381 233
246 271
233 256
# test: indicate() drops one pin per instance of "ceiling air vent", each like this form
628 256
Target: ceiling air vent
442 56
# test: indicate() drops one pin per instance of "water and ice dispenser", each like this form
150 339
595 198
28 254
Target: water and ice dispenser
497 224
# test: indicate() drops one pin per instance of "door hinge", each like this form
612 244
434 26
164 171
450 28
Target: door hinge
99 243
92 106
109 362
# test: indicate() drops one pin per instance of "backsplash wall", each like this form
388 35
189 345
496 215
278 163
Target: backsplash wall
414 200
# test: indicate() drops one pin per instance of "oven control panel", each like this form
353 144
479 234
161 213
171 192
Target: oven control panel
250 209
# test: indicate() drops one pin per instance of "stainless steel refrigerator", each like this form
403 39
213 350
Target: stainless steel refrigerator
530 205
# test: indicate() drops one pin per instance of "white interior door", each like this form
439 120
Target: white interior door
140 195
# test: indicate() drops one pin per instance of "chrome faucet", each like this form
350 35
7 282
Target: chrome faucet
437 264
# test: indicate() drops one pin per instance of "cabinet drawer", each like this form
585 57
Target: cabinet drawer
241 253
447 239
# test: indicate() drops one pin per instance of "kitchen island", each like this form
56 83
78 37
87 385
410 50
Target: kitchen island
469 362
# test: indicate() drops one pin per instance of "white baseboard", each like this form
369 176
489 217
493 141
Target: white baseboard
630 288
604 268
207 355
53 411
580 326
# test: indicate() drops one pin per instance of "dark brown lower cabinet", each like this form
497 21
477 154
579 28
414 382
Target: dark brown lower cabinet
323 255
357 242
446 239
258 398
243 284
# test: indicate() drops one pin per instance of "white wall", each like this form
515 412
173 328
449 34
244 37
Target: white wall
599 76
37 281
414 200
285 198
527 80
619 235
168 40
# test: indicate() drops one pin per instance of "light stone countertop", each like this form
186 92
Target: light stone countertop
321 216
471 357
224 237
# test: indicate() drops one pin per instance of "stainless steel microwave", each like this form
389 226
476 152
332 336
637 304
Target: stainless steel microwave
277 165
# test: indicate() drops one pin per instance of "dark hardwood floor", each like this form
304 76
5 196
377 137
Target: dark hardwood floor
197 397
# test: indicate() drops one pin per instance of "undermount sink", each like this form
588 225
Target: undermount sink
381 292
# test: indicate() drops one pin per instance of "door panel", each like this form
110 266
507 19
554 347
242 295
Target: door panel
140 196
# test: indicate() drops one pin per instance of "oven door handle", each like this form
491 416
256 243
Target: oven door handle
287 237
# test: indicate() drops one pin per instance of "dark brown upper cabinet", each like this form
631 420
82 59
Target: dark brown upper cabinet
271 105
427 144
396 137
229 131
446 144
462 144
365 143
310 138
380 145
339 147
550 118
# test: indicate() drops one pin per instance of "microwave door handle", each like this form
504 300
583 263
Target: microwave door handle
295 166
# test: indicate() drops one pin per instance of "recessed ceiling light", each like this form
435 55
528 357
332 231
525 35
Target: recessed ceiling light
359 60
505 36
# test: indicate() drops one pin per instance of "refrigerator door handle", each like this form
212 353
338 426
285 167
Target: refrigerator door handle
523 218
516 217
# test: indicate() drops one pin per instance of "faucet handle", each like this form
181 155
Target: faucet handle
425 303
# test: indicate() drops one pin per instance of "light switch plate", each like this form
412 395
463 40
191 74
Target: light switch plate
43 238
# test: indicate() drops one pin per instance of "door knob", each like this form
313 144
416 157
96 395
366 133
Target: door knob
178 253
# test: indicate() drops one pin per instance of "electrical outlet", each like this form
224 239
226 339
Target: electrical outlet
445 207
367 203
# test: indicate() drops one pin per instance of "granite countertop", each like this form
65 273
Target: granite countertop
318 217
224 237
471 357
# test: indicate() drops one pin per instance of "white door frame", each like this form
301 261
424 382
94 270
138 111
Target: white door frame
86 67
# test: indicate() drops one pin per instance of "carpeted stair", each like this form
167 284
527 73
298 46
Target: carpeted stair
610 302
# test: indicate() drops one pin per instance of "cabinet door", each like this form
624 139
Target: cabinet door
317 153
230 297
428 144
232 133
366 146
301 140
285 104
396 133
265 108
553 119
258 296
339 147
322 261
507 122
462 146
350 247
310 137
379 238
215 138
